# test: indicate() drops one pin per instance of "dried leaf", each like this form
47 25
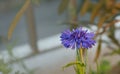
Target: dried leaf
110 24
100 24
102 20
79 5
63 5
85 7
96 11
91 6
111 35
17 18
109 4
115 11
117 5
114 40
98 50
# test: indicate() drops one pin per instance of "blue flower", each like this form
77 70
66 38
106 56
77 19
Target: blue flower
77 38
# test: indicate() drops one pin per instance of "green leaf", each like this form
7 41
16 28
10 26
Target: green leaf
4 68
74 63
104 66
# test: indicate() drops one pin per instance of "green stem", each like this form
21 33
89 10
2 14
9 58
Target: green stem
81 69
82 60
86 59
77 59
81 55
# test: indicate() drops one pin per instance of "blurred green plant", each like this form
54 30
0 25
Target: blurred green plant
103 68
6 67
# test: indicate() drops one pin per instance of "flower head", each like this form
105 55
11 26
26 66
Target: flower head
77 38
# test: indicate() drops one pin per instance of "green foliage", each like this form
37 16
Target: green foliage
79 65
6 68
104 67
74 63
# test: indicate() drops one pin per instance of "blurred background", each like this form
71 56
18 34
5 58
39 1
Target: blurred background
30 35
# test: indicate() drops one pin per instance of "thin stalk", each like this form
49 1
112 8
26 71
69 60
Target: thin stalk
82 60
77 59
86 59
81 55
